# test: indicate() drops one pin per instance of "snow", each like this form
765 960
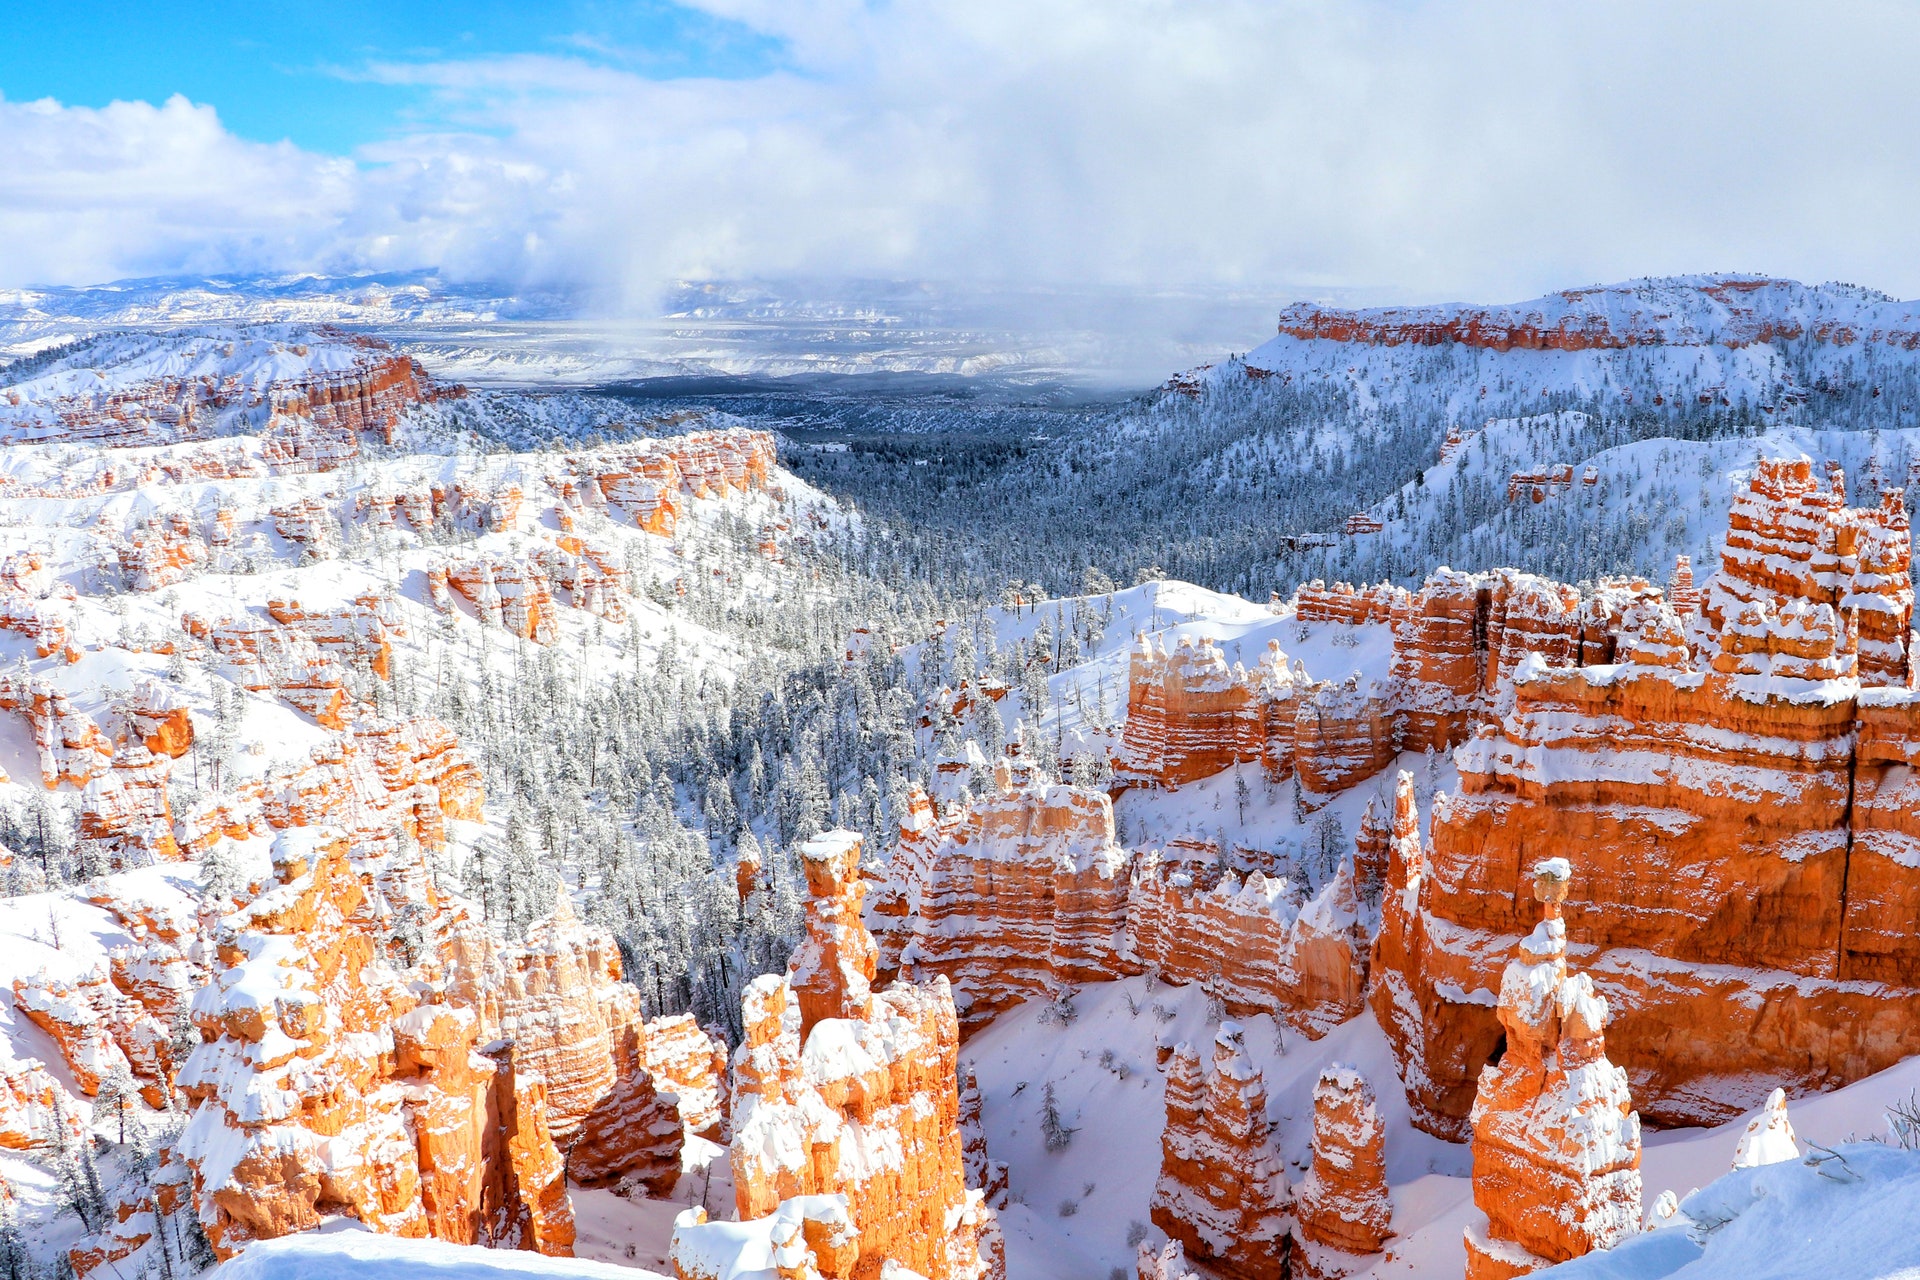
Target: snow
345 1248
1107 1172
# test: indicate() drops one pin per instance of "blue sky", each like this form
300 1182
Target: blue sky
301 71
1421 150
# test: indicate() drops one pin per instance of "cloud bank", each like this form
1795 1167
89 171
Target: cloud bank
1419 150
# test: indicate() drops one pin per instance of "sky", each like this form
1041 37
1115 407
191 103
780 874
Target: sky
1412 151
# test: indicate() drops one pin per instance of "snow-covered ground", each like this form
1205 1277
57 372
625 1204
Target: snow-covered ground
1076 1210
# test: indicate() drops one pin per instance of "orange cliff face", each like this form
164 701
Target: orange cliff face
1556 1142
1189 716
843 1093
1741 802
1223 1192
1025 892
1021 891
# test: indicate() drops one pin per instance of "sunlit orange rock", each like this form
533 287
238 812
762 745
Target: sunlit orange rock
1256 943
863 1103
1343 1212
1556 1142
1021 891
1223 1191
323 1086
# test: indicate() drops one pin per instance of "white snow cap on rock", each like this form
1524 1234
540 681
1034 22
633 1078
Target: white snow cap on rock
1769 1136
1553 869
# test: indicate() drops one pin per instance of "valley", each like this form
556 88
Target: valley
1431 795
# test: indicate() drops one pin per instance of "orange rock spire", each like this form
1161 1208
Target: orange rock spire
1223 1190
1556 1142
844 1093
1344 1212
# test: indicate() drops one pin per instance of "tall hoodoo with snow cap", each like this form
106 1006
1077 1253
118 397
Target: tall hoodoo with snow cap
1556 1142
1345 1212
1223 1192
844 1092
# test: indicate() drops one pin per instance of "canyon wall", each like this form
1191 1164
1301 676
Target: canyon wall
1738 784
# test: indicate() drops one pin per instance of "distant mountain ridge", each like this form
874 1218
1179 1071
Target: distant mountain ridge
1729 310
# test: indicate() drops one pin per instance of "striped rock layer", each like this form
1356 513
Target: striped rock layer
1024 892
1223 1191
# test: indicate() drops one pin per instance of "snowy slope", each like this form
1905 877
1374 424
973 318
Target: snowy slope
1074 1209
350 1250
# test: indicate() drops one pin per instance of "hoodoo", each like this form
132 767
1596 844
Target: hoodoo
1223 1192
1556 1142
844 1092
1344 1211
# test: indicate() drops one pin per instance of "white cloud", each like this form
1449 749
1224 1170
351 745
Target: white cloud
1418 149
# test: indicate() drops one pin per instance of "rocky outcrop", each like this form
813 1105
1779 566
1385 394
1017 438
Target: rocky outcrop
843 1091
1009 897
324 1086
1346 604
1790 540
1188 715
1223 1190
1741 800
805 1238
1344 1212
1343 735
1254 943
32 1105
1556 1142
514 595
161 552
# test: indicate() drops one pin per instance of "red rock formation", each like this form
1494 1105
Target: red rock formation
266 657
357 633
31 1104
1789 540
98 1028
864 1103
1556 1142
71 747
1254 944
516 596
1747 842
323 1086
1343 603
984 1174
1344 1212
310 525
1343 735
1223 1190
1540 483
1682 595
1008 898
1728 311
161 552
1189 716
1362 522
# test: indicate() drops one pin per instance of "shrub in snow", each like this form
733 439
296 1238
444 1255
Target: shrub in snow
1052 1128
